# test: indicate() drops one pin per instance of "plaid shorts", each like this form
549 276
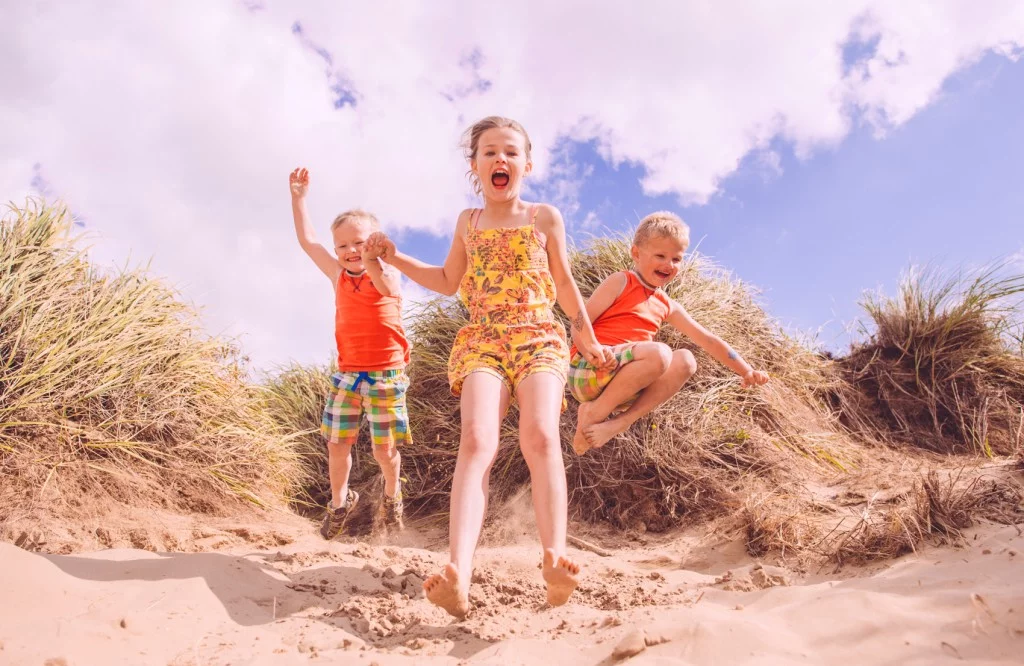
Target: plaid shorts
379 396
587 382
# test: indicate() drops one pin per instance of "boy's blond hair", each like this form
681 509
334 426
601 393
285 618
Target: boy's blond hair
662 224
355 214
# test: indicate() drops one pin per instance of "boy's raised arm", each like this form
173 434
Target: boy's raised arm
681 320
321 256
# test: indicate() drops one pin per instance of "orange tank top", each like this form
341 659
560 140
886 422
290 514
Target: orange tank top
368 326
635 316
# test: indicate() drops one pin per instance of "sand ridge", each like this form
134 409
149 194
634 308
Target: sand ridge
310 601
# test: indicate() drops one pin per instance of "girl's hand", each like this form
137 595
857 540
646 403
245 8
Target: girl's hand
380 246
754 378
599 356
371 251
299 182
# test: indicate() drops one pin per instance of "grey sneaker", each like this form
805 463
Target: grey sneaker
334 521
394 511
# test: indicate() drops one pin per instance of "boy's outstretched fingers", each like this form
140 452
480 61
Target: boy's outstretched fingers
447 590
298 180
561 576
754 378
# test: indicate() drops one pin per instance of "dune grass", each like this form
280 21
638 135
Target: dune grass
943 368
109 387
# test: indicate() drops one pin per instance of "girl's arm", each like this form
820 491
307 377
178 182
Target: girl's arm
442 279
549 223
681 320
385 278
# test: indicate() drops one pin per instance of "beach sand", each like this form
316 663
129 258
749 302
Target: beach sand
280 595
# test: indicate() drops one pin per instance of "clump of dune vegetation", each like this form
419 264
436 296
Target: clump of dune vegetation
110 391
943 368
108 387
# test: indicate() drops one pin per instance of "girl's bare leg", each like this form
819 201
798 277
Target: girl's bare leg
540 400
485 400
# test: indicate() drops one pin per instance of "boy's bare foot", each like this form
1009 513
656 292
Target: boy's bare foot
584 420
447 591
599 434
561 577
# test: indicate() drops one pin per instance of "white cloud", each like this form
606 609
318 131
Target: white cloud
171 127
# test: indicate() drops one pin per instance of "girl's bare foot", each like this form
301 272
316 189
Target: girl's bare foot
599 434
561 577
584 420
447 590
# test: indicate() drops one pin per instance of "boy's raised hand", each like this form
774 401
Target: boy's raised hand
299 182
754 378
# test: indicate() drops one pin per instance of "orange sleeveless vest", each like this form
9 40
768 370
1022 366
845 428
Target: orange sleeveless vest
635 316
368 327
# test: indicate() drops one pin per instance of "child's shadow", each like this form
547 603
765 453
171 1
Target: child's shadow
255 593
252 593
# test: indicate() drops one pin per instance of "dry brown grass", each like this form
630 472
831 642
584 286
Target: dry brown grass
943 368
692 457
108 388
937 509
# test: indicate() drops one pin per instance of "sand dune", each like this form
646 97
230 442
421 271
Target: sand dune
679 602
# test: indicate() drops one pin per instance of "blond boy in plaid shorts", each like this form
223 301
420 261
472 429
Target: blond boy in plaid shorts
627 310
372 354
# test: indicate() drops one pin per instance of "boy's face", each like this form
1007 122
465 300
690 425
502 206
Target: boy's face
658 259
349 238
501 163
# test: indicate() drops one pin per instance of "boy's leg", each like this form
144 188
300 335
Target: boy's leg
540 399
650 361
343 500
390 461
339 466
389 426
340 425
680 369
478 446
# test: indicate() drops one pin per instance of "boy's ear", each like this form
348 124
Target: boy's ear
529 167
634 252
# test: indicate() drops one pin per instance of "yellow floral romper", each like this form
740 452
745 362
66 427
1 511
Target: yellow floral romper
509 292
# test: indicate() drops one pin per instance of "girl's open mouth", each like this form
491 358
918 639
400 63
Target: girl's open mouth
499 179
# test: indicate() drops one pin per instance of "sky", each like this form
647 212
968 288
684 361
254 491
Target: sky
817 150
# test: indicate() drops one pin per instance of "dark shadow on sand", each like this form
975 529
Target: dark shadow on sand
256 593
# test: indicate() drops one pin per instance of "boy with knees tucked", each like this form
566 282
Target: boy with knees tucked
372 354
627 310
